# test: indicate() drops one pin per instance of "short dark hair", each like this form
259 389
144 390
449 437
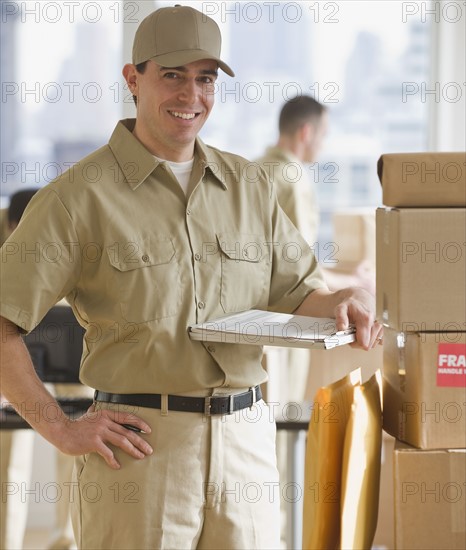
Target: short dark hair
298 111
141 69
18 203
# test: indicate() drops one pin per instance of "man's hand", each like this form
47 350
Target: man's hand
95 430
348 306
358 309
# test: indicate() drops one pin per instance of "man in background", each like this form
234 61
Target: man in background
302 128
302 125
9 217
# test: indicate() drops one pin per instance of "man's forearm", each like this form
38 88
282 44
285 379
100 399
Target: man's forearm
21 386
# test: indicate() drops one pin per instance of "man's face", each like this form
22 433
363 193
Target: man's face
316 138
172 105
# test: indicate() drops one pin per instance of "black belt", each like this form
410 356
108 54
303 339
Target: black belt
214 404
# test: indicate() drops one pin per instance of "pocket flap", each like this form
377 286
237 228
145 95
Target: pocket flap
143 253
241 246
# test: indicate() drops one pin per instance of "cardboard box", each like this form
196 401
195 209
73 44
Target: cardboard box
424 388
423 179
430 496
385 533
421 269
354 234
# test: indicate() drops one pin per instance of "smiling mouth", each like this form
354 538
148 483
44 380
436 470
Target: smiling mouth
184 116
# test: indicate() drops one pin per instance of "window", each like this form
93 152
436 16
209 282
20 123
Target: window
60 86
366 61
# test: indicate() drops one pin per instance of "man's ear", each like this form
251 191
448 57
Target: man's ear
306 132
131 76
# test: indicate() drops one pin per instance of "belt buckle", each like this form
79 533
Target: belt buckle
208 405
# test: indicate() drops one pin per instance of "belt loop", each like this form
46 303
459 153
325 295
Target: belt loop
164 404
253 389
208 405
231 404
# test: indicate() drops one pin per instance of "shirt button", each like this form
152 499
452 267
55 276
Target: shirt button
188 212
197 257
201 305
211 349
145 258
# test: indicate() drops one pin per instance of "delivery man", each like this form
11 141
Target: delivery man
150 234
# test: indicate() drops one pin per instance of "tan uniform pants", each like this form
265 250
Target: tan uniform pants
62 536
211 483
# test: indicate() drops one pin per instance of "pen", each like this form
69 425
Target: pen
133 428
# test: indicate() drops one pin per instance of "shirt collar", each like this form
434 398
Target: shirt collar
133 158
211 159
137 163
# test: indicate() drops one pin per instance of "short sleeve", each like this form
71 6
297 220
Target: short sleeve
288 200
40 262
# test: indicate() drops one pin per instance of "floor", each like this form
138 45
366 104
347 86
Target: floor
39 539
36 539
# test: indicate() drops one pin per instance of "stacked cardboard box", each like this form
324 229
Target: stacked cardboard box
421 300
354 235
430 497
424 388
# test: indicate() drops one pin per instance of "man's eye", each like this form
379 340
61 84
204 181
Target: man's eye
207 79
170 75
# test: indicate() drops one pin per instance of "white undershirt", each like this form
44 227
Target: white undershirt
181 171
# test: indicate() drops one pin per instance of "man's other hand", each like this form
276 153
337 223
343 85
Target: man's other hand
96 430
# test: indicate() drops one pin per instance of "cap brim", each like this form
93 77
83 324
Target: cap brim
177 59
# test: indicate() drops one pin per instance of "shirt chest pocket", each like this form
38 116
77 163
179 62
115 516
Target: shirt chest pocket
244 271
146 276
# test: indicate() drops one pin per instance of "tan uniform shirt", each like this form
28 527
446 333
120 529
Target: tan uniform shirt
139 262
4 229
294 190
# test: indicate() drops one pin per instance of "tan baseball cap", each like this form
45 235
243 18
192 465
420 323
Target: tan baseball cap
178 35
